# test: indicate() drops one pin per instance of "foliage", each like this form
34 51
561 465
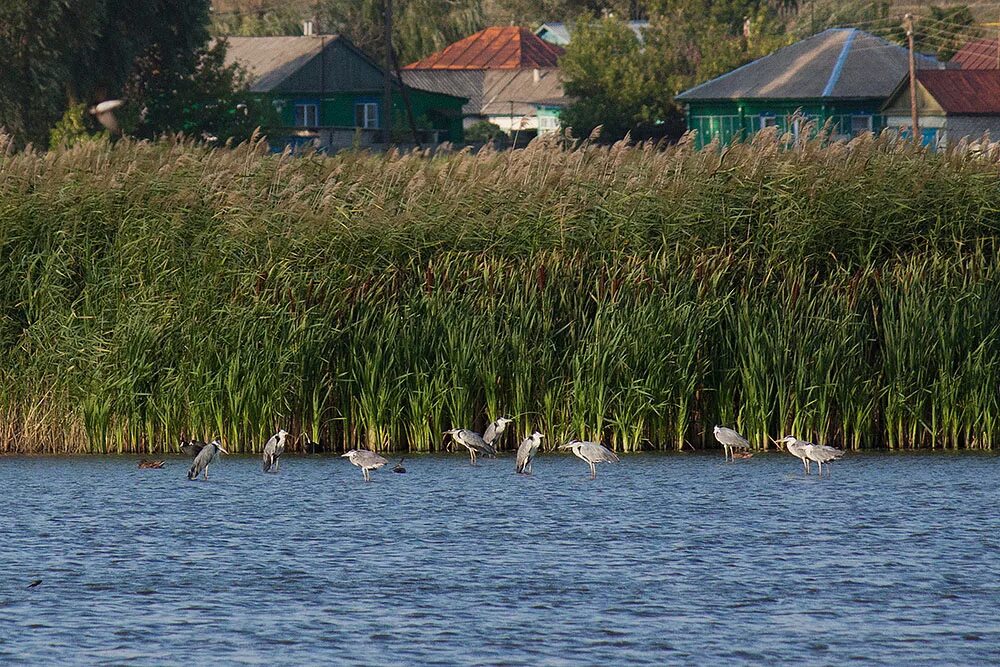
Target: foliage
153 53
848 294
628 86
484 131
73 128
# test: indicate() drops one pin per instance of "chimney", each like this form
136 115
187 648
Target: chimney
536 75
307 28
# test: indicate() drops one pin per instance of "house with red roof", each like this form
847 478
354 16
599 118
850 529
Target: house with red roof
952 104
978 54
509 75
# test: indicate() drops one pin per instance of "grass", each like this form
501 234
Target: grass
846 293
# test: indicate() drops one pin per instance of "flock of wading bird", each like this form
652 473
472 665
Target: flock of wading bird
733 444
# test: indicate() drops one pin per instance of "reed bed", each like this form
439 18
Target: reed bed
848 294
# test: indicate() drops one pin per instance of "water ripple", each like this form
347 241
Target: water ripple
660 560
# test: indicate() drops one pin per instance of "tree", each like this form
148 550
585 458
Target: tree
57 54
606 71
629 86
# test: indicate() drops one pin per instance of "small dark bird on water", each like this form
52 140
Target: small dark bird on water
310 447
150 465
399 466
36 582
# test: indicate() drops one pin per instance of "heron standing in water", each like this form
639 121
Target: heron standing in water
730 441
591 452
495 430
807 451
365 459
273 450
822 454
473 442
526 453
206 457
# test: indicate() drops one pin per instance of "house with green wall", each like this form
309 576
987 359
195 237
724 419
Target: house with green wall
841 77
328 93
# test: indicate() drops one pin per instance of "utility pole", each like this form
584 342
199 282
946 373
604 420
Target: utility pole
386 77
914 125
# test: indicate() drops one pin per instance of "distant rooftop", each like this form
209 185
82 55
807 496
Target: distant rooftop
560 33
978 54
270 60
494 92
507 47
963 92
839 63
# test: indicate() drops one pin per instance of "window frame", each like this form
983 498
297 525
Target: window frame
306 107
367 122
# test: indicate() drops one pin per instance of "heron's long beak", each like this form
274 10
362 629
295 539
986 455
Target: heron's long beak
565 447
344 456
223 449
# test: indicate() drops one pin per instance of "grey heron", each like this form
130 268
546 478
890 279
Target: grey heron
591 452
191 447
526 453
495 430
273 450
730 441
821 454
206 457
365 459
105 114
473 442
796 448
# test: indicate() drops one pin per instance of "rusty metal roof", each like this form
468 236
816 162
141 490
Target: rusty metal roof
963 91
494 48
978 54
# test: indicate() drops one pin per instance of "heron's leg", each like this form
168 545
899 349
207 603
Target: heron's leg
593 470
364 471
276 465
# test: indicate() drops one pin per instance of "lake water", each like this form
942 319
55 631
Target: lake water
663 559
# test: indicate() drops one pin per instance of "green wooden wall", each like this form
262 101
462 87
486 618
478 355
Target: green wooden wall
430 110
729 121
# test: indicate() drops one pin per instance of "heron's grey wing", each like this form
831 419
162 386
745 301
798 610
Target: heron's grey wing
270 445
599 453
491 433
828 453
728 436
475 441
203 458
369 459
523 454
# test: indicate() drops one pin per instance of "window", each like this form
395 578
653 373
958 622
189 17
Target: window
548 123
860 125
306 115
366 115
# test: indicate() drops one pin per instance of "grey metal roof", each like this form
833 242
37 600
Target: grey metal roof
520 91
306 64
839 63
460 83
270 60
493 92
